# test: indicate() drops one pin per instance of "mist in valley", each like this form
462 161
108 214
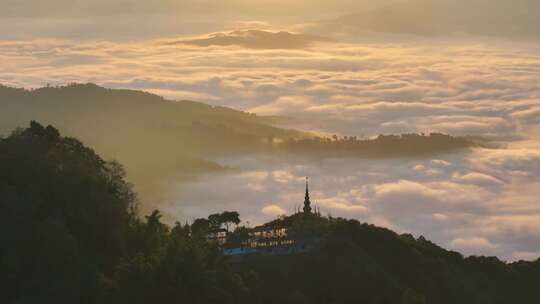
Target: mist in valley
219 92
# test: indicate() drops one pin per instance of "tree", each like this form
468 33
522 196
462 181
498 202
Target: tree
64 217
230 217
200 226
217 220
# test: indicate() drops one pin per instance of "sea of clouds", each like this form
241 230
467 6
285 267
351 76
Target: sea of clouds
463 88
479 202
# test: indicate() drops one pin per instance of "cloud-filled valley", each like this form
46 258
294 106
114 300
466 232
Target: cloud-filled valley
479 202
484 89
476 203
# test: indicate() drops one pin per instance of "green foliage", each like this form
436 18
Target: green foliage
360 263
69 233
135 127
64 216
201 226
226 219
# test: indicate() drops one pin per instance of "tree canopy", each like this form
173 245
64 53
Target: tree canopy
70 233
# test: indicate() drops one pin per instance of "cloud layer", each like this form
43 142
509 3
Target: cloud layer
447 86
484 202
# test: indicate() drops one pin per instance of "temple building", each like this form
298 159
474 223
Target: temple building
217 235
280 236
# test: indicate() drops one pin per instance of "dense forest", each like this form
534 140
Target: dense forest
382 146
71 233
157 140
161 142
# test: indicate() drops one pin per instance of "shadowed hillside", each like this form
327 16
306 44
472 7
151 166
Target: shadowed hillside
70 234
119 120
162 142
158 140
383 146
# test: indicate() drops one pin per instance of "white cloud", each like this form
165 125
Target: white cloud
477 178
470 199
405 190
342 204
284 176
440 162
367 88
273 210
440 216
457 208
525 255
472 243
419 168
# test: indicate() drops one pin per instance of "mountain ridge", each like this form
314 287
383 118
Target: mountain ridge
72 234
162 142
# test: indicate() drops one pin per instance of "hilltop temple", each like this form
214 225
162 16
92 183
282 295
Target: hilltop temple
307 209
281 236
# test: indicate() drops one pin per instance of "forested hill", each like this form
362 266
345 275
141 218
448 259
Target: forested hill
157 140
383 146
70 233
162 142
128 123
134 127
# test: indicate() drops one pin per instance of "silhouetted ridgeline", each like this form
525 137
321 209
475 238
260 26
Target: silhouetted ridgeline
70 233
160 141
139 122
157 140
132 126
382 146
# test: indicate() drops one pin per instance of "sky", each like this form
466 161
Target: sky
345 67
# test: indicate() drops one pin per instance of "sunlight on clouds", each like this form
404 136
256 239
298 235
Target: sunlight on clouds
341 204
283 176
484 89
457 208
472 243
440 216
525 255
483 201
477 179
471 205
273 210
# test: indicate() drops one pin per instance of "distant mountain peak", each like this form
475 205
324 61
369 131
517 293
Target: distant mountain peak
255 39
